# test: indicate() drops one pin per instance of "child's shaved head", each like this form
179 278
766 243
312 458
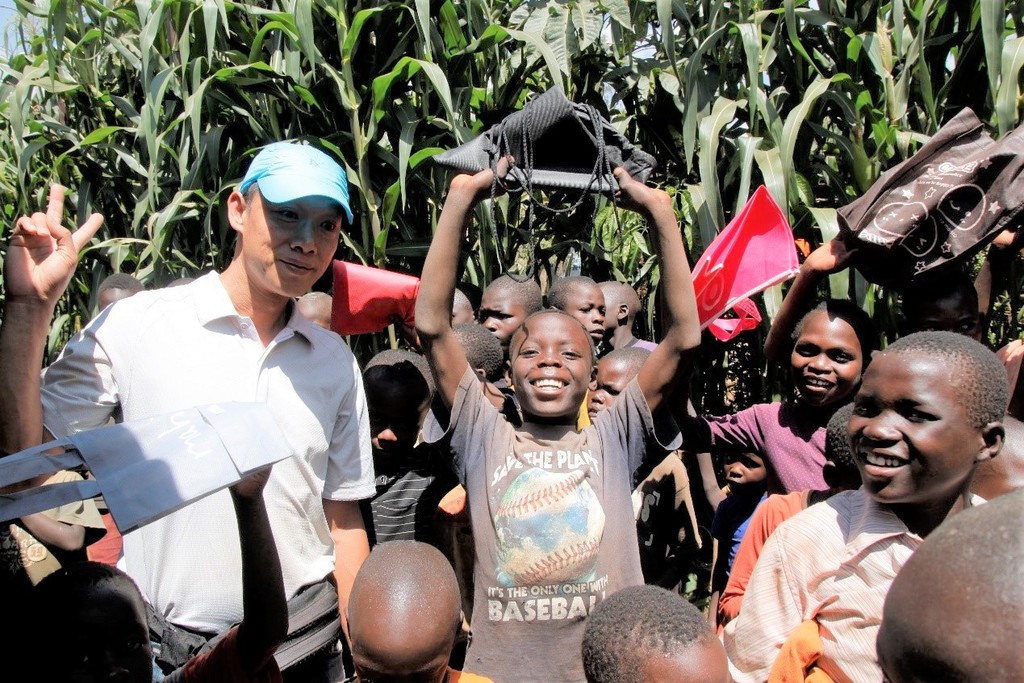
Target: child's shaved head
526 293
629 360
462 309
953 613
644 626
564 286
483 350
618 294
982 386
316 306
400 365
840 469
404 612
123 281
116 287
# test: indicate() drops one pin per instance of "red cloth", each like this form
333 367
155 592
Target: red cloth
752 253
108 549
366 299
768 516
222 665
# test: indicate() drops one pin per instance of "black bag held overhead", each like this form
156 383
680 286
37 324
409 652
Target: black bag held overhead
556 144
939 206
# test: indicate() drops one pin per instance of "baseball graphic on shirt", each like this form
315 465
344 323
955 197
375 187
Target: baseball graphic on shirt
549 527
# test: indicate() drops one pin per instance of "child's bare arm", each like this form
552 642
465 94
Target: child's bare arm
54 533
829 258
41 258
437 285
265 609
672 358
991 278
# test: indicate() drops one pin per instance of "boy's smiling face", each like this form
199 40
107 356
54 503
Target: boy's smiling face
552 365
913 440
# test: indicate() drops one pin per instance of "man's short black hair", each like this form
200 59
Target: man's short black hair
399 366
983 388
123 281
564 286
523 292
635 624
855 317
483 350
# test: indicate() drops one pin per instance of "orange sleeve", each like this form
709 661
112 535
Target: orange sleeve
777 509
796 660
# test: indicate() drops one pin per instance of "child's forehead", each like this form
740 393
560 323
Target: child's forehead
500 299
585 290
820 321
909 373
749 459
555 326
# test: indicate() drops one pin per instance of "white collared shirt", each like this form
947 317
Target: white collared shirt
834 563
169 349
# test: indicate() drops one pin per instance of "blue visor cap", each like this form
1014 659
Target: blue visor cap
286 171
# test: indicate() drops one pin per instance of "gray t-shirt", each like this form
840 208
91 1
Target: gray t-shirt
553 528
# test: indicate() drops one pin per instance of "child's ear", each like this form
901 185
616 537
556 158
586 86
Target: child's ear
993 434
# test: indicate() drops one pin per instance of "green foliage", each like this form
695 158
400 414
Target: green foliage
149 111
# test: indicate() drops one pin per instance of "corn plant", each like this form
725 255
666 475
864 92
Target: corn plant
149 112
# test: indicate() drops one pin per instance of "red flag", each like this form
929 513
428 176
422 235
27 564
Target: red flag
752 253
365 298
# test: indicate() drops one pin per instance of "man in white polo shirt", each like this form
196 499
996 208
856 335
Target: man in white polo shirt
229 336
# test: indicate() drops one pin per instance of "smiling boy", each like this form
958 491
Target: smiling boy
928 412
549 504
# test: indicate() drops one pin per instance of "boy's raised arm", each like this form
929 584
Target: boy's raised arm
264 606
672 359
437 283
41 258
828 258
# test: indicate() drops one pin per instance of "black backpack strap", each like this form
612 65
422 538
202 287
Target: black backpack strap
177 644
314 623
